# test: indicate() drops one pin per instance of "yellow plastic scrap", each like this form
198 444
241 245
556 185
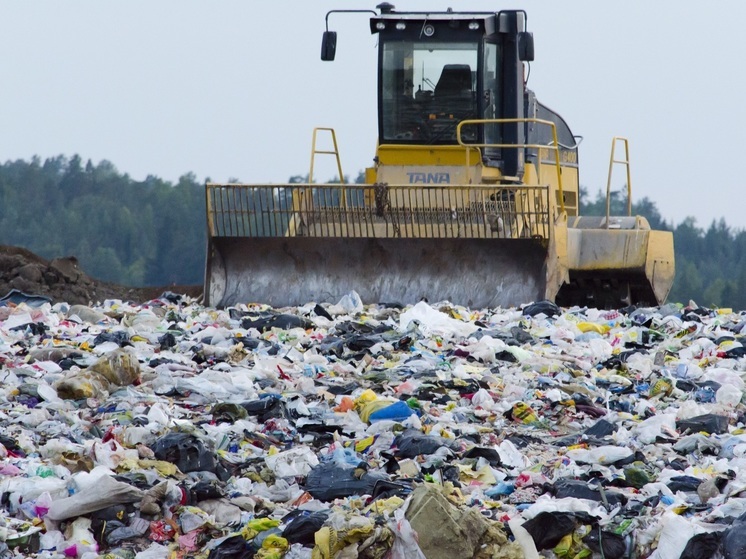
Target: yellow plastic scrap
662 387
329 541
162 467
563 548
253 527
273 547
368 403
364 444
572 547
522 412
381 506
593 327
128 464
483 475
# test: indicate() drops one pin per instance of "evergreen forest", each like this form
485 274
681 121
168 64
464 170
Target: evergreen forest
152 232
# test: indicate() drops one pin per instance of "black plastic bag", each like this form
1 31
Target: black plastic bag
548 528
330 481
707 423
489 454
600 429
541 307
235 547
119 337
683 483
186 452
282 321
303 526
411 444
204 490
265 408
167 341
702 546
565 487
613 545
332 345
734 542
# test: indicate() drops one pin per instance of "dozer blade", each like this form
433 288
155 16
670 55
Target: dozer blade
289 271
614 267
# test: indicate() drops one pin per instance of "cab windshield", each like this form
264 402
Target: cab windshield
426 89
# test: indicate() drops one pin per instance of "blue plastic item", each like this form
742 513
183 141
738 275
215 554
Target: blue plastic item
398 411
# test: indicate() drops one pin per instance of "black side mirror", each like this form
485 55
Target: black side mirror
525 46
328 45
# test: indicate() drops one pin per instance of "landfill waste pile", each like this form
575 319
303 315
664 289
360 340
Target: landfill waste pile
62 279
169 429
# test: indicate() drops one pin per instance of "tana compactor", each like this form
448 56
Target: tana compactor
473 196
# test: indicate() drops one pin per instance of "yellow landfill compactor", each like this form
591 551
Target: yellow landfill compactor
473 197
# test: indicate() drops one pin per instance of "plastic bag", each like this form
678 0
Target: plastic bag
158 551
434 321
292 463
106 492
282 321
330 481
702 546
734 542
707 423
565 487
398 411
405 538
411 444
546 308
603 455
548 528
186 451
301 528
613 545
674 535
119 368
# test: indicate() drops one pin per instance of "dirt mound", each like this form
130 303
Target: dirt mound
62 279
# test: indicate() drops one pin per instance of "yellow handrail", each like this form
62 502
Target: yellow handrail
335 153
299 198
554 147
624 162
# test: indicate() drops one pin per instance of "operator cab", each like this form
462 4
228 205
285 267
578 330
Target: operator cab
439 68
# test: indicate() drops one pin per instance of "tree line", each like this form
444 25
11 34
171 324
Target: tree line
137 233
153 232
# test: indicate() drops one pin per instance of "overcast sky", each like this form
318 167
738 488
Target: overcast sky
232 89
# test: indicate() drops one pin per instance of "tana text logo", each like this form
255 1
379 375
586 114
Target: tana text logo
429 178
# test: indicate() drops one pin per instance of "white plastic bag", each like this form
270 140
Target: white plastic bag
604 455
405 538
434 321
675 532
105 493
293 462
155 551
